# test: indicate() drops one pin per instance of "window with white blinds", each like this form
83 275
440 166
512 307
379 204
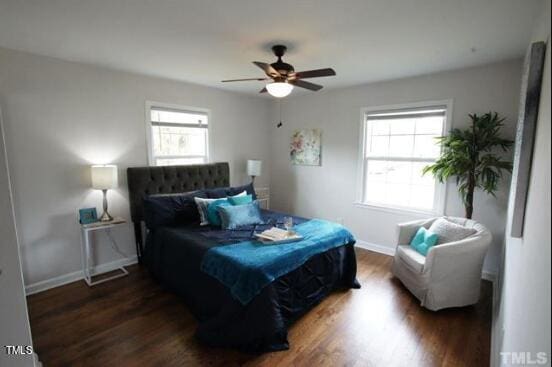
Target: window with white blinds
398 144
177 136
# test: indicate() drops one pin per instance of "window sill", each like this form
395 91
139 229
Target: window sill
396 210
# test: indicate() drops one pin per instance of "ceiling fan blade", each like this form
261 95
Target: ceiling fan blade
267 68
306 85
244 80
314 73
264 90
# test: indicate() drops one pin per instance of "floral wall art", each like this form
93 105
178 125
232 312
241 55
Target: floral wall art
305 148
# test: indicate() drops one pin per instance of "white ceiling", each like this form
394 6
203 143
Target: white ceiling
205 41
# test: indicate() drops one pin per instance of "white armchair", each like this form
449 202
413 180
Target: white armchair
450 275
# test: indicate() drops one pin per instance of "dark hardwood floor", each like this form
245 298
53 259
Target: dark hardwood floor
131 321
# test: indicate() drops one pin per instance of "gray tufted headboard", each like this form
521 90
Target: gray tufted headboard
144 181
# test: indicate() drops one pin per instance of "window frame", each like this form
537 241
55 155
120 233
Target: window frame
179 108
440 188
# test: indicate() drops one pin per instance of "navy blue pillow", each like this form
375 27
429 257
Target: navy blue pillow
171 209
222 192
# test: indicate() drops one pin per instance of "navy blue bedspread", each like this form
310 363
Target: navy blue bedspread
174 255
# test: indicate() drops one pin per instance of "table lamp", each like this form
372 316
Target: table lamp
254 168
104 177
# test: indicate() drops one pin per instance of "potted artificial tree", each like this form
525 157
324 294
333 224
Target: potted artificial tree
469 156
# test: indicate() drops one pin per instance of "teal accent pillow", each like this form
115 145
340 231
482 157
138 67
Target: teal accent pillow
423 240
213 216
235 216
240 200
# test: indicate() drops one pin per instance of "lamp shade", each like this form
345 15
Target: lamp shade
104 177
254 167
279 89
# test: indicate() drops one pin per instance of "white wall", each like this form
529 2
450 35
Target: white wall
14 321
522 315
61 116
329 191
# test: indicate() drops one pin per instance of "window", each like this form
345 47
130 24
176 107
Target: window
397 145
177 136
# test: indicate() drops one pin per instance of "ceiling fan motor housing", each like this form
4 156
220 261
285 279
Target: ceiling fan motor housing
283 68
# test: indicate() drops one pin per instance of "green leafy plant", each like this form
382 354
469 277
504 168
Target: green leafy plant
468 155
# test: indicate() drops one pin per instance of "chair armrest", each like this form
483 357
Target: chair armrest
405 231
452 258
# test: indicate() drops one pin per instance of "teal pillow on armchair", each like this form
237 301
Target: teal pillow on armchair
423 240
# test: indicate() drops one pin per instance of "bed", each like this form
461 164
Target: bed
175 254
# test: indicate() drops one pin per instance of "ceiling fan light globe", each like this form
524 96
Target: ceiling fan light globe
279 89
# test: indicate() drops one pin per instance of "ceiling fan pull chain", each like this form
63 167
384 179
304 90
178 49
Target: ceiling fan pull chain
280 106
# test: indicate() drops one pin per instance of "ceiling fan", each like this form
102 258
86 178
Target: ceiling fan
283 76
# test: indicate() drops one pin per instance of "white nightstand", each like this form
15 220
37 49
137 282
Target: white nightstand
86 230
263 197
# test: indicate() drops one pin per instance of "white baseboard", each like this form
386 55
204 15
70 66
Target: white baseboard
386 250
77 275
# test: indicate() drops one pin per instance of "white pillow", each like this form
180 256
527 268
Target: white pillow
202 205
447 231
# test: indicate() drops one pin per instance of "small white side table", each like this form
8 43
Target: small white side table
86 230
